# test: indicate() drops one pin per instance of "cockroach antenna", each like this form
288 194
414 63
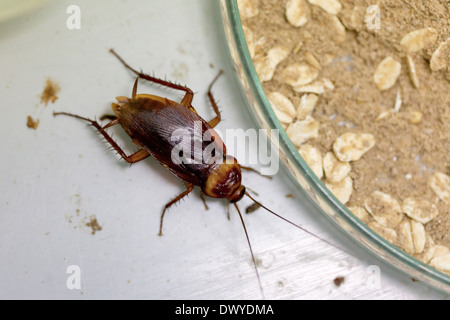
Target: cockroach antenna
298 227
251 250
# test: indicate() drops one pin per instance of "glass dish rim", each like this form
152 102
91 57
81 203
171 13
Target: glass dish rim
429 275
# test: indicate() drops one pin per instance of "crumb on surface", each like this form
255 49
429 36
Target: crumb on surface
50 93
339 281
94 225
252 208
31 123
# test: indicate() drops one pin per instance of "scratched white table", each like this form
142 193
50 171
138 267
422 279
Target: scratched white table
55 178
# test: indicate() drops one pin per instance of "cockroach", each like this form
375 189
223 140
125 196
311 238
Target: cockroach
150 121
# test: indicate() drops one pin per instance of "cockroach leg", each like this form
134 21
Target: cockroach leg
109 117
187 100
204 201
112 123
189 188
135 157
255 171
139 155
133 94
215 121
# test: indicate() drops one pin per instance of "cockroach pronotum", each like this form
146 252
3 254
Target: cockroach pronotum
150 121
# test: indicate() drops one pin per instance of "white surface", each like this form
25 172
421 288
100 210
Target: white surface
49 174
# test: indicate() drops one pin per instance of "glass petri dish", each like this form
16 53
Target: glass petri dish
300 172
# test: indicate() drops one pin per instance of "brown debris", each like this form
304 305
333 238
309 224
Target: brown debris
50 92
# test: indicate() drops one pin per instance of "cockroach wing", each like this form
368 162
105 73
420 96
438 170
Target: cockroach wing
175 136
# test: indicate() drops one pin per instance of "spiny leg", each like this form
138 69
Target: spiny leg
135 157
187 100
189 188
113 120
215 121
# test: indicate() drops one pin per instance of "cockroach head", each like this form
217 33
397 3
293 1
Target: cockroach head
238 194
224 181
